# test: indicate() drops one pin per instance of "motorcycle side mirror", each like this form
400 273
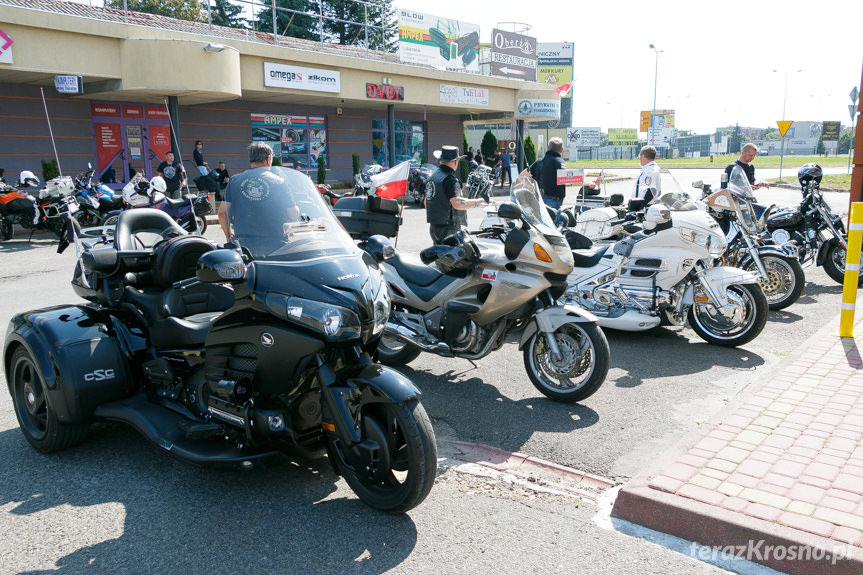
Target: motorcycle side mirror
697 184
218 266
508 211
380 248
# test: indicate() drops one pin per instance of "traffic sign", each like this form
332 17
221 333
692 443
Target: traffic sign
852 109
783 126
854 93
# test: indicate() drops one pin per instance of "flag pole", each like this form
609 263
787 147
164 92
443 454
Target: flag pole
399 227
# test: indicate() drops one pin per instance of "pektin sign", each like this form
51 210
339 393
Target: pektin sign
384 91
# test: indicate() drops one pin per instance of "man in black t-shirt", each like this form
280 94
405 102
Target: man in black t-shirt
174 174
223 178
747 154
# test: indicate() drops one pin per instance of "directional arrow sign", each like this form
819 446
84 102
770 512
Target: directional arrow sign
783 127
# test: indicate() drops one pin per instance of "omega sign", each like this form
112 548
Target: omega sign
301 78
385 92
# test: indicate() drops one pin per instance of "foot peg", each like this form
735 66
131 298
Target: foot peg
194 430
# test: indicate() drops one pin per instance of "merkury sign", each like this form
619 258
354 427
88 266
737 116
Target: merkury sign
385 91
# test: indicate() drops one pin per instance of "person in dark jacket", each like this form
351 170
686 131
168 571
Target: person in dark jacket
553 193
446 208
747 154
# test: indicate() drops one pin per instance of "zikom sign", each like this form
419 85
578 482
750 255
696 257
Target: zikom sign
301 78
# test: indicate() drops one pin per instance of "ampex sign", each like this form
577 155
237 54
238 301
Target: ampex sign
301 78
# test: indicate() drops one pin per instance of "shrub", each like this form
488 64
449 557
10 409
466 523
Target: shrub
322 170
50 170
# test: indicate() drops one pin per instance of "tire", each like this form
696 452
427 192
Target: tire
87 218
713 327
834 265
404 469
39 424
583 370
7 229
202 224
393 352
786 280
110 220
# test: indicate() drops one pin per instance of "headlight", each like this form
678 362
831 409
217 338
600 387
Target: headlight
382 309
334 322
561 248
716 245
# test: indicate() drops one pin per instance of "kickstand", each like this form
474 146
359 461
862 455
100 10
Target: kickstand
475 366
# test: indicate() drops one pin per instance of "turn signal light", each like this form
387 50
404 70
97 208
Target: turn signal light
541 254
328 426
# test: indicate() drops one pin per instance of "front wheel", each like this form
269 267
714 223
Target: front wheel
402 470
110 220
834 265
394 352
785 280
39 424
749 315
581 367
202 224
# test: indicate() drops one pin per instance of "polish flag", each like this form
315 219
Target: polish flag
394 182
564 89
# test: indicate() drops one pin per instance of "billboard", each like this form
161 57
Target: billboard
583 137
468 96
513 55
439 42
663 137
622 137
554 67
301 78
661 119
537 109
830 131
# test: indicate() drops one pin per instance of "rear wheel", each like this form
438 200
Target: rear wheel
402 469
581 367
394 352
785 280
202 224
36 416
6 229
749 307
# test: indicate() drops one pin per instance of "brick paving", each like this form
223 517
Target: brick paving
785 462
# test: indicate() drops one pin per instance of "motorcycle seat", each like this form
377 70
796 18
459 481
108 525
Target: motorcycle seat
589 257
180 203
411 268
142 228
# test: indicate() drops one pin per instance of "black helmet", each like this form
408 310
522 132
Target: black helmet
809 173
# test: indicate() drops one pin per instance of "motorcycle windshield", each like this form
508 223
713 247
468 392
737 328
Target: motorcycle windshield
525 193
739 183
278 215
678 202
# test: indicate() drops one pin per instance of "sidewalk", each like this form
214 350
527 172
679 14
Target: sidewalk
777 477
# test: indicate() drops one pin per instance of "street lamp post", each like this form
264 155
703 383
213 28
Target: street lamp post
655 78
784 101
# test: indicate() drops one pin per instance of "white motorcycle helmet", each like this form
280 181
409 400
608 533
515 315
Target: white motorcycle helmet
656 215
157 184
28 179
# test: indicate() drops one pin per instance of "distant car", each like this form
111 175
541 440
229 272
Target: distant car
762 152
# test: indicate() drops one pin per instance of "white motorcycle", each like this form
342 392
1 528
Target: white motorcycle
665 275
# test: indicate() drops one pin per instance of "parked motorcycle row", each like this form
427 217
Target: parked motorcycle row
241 354
33 207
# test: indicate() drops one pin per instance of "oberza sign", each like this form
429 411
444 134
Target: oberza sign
301 78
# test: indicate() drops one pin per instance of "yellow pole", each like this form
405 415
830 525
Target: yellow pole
852 270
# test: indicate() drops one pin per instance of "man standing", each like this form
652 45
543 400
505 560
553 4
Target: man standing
648 187
505 161
445 207
747 154
553 193
260 156
223 178
173 174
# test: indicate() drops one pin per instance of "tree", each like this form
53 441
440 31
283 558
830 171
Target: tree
735 140
180 9
322 170
529 151
341 31
50 169
771 134
819 149
224 13
488 147
298 24
845 140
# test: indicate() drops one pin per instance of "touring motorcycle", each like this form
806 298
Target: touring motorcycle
782 277
232 356
35 209
665 275
465 298
188 211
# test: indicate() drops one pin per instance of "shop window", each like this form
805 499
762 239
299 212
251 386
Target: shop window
298 141
409 141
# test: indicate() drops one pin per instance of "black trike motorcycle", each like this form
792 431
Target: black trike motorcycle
233 356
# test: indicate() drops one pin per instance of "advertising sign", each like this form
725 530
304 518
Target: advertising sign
385 91
570 177
450 94
661 137
438 42
69 84
108 143
583 137
5 48
301 78
622 137
533 109
554 68
830 131
160 140
513 55
661 119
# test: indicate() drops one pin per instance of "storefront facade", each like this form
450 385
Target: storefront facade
311 105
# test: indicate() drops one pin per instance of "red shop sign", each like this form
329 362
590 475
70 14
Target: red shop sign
154 112
111 110
133 112
385 92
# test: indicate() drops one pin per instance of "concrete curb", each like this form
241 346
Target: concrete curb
712 526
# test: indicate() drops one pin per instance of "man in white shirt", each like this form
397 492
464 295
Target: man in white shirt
648 187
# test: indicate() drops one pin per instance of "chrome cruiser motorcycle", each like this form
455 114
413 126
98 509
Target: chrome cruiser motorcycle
463 299
665 275
749 248
232 356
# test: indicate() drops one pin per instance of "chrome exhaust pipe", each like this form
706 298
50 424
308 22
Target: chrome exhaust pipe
406 335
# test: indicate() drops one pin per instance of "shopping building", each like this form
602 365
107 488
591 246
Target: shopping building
141 73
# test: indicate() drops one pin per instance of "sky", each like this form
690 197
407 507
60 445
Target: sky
717 60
